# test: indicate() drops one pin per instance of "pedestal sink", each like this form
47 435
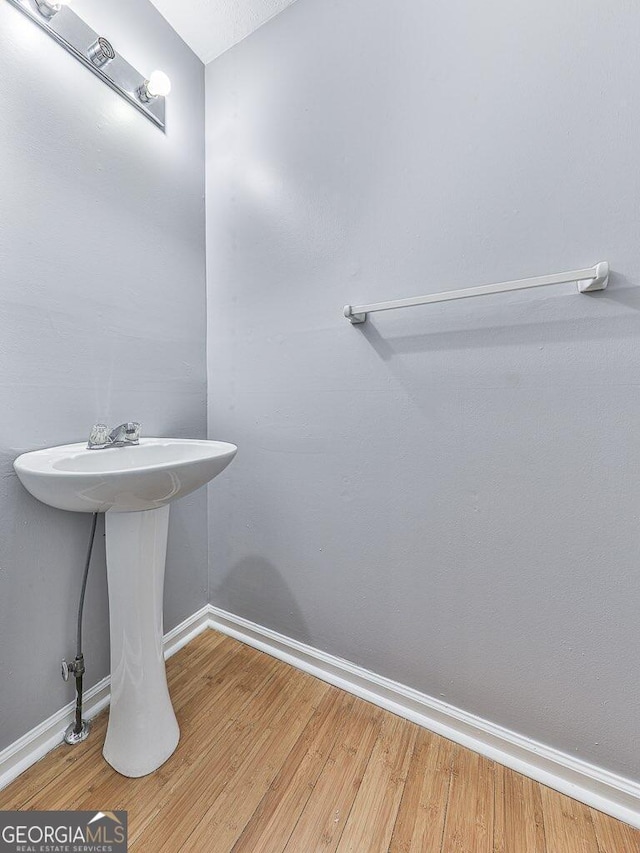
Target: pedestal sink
134 486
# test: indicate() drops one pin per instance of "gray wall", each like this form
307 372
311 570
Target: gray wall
102 316
449 495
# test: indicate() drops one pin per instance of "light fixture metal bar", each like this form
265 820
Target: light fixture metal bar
70 31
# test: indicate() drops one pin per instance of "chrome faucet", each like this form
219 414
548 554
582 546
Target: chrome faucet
124 435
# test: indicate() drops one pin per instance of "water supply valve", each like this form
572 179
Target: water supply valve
75 668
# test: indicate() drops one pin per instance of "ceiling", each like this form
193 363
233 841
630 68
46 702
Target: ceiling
210 27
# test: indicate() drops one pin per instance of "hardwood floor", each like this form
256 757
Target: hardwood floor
272 760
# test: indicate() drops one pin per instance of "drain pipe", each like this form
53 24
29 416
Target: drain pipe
79 730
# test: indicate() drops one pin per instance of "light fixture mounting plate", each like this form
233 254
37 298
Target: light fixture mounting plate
70 31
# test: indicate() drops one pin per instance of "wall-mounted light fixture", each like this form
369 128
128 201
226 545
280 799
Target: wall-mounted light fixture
95 52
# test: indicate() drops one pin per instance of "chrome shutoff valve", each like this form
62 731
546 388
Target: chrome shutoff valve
75 668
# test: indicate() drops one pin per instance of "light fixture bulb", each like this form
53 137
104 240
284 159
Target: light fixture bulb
49 8
158 85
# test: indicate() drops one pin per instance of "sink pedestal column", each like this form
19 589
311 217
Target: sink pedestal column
143 731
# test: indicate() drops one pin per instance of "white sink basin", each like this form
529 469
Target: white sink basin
121 479
134 486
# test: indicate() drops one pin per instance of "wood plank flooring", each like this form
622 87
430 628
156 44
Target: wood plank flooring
271 760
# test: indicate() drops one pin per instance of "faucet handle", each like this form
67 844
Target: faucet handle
132 432
99 435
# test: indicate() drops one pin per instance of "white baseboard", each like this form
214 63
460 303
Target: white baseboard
598 788
183 633
592 785
32 746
